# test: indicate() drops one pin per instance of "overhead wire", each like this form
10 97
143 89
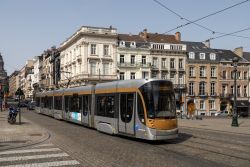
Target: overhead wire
201 18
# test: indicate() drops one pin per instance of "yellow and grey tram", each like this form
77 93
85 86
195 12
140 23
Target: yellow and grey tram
138 108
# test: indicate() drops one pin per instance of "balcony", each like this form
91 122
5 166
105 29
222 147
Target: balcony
213 94
225 95
191 94
203 94
180 86
128 64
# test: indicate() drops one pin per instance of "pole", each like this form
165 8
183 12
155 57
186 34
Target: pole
235 118
19 109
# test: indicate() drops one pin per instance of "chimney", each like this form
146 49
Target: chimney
178 36
207 43
239 51
144 34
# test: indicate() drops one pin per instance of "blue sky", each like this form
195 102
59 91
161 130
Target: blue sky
28 27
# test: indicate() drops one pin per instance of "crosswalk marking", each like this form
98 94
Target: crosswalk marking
5 159
47 164
43 145
47 153
29 151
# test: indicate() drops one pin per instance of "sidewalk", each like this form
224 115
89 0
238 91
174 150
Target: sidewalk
18 135
218 124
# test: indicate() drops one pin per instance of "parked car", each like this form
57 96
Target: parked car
222 113
243 114
31 105
24 103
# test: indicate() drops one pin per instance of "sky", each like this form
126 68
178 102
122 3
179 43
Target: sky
28 27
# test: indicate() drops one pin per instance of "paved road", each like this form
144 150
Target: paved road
195 147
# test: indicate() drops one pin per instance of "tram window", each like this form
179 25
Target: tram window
38 101
42 101
127 107
74 103
85 105
58 102
105 106
140 109
66 103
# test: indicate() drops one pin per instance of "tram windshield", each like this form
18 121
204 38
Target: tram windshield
159 99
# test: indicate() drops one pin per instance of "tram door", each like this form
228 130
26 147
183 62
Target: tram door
126 116
85 110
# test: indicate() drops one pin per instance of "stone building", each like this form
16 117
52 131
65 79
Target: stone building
153 55
88 57
3 73
202 79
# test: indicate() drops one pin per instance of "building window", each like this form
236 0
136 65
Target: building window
202 72
172 64
213 71
238 90
180 63
191 88
202 88
181 78
105 69
224 90
154 74
132 75
132 59
211 104
232 90
163 63
212 56
145 75
143 60
245 91
202 105
106 50
121 59
92 68
212 88
245 75
155 62
164 75
93 49
232 74
191 55
202 56
172 77
224 74
191 71
121 75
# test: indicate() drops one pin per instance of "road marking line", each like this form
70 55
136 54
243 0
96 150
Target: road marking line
44 145
29 151
47 164
7 159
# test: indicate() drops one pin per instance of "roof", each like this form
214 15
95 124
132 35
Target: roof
197 48
150 37
246 55
228 55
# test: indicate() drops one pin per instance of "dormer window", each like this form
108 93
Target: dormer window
133 44
202 56
212 56
122 43
191 55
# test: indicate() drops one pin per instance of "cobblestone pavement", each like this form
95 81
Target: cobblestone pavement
218 124
18 135
200 143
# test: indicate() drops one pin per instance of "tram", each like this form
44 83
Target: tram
141 108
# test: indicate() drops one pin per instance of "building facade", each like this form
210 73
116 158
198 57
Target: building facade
13 84
202 79
88 56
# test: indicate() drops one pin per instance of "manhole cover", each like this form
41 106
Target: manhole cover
35 134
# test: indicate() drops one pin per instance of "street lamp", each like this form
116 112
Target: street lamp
235 117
